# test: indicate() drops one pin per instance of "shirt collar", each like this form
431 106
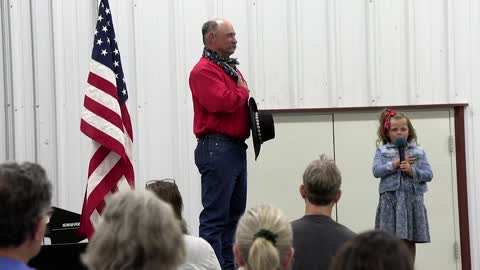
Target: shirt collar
9 263
391 145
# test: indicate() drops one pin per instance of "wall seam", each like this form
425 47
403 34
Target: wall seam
8 83
34 52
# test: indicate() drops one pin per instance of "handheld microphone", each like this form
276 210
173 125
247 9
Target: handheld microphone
401 142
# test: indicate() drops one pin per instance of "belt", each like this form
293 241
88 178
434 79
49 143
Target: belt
219 136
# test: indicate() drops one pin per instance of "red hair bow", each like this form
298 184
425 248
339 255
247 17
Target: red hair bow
388 114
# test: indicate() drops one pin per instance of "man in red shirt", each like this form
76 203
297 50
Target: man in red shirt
221 124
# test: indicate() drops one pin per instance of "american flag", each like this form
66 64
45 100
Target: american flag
105 119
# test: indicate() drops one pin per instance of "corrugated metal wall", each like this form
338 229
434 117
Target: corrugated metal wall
294 53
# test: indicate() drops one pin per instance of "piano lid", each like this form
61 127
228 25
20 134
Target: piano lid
63 226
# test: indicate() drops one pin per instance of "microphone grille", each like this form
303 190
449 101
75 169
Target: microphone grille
400 142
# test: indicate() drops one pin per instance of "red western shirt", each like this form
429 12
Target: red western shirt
219 106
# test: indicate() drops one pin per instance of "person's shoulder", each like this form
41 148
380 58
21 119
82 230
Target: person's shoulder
203 67
298 222
200 254
197 243
346 231
310 221
380 146
202 64
415 147
300 225
340 231
199 65
10 263
194 239
386 147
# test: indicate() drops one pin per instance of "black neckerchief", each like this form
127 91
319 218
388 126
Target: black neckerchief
229 65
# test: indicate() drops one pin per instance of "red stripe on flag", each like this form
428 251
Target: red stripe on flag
104 112
86 228
126 120
102 84
102 138
97 196
97 158
128 172
101 206
104 187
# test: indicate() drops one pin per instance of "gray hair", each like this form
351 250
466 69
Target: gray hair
208 27
260 252
322 181
137 231
25 195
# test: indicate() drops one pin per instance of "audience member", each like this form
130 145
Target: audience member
316 236
25 198
137 231
200 255
263 240
373 250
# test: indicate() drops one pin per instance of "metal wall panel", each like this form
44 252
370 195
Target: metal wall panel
24 126
44 91
4 79
72 28
471 94
293 53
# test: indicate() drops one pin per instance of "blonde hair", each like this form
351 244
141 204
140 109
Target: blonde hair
382 133
137 231
264 238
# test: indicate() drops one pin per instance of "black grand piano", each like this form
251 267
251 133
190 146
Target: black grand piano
65 250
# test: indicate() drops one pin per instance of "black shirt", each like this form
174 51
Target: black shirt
316 239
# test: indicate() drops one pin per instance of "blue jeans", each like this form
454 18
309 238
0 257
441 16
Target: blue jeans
223 166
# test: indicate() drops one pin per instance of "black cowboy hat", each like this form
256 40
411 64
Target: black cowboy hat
262 126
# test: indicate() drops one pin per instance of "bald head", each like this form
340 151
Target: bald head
219 36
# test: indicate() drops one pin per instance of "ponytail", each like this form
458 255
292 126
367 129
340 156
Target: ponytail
263 238
263 254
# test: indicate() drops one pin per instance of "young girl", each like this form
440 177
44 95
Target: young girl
401 210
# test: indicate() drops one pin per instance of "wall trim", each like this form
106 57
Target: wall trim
459 117
370 108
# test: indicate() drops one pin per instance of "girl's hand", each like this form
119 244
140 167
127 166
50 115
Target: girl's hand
396 164
411 159
406 168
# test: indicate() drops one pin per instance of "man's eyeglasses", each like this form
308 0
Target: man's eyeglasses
47 215
167 180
